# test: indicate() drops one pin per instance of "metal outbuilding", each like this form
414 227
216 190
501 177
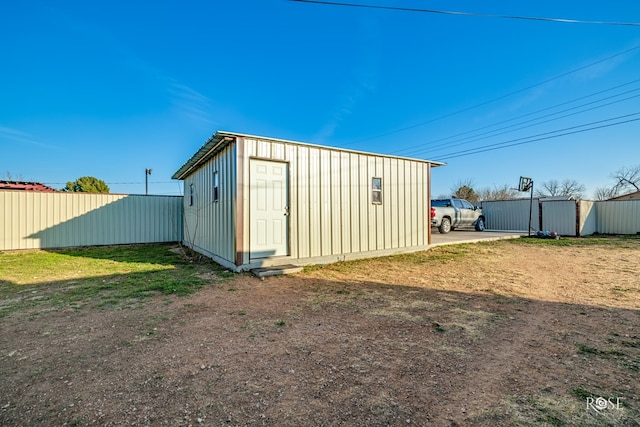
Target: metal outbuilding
252 201
26 186
630 196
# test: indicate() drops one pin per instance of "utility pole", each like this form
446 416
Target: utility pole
147 172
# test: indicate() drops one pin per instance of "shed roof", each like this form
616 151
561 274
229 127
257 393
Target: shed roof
221 139
25 186
630 196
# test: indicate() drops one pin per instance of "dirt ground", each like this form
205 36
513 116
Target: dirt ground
494 334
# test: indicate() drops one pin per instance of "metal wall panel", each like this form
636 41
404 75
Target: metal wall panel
335 204
559 216
618 217
314 216
606 217
34 220
512 215
301 212
387 204
326 217
588 217
209 225
331 212
345 228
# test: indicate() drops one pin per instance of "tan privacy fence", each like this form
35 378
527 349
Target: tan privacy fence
30 220
566 217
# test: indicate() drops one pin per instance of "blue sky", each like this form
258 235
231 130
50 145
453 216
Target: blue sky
110 88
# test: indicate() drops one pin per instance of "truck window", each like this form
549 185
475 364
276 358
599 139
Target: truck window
457 203
467 205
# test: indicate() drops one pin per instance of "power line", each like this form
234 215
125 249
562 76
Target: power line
489 147
121 183
491 134
499 98
481 15
412 149
549 120
141 182
540 137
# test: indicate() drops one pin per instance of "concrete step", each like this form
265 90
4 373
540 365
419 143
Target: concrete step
276 270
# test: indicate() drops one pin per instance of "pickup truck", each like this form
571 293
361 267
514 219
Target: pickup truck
447 214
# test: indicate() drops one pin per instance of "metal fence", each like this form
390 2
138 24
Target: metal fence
566 217
30 220
618 217
511 215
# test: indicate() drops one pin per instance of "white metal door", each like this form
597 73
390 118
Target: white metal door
268 209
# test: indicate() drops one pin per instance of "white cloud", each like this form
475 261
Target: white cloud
16 135
364 80
192 104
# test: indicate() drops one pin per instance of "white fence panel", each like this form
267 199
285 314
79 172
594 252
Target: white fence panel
33 220
512 215
559 216
618 217
588 217
606 217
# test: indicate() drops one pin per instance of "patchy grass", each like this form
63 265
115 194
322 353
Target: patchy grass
552 411
451 253
621 241
629 360
98 276
436 255
587 350
549 407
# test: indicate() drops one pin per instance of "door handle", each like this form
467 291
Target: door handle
286 211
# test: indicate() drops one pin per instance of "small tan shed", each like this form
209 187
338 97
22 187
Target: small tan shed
252 201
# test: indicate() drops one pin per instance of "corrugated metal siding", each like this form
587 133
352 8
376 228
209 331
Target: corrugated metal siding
559 216
331 212
607 217
210 225
588 217
35 220
511 215
618 217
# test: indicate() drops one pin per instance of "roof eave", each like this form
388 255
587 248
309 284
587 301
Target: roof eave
221 138
213 144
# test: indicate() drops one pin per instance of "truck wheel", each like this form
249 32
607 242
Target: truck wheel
480 224
445 226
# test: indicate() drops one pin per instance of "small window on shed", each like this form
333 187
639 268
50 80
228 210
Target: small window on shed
216 187
190 194
376 191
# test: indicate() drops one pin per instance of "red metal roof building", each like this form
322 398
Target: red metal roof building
25 186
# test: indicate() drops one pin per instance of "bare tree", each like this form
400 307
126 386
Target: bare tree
627 179
8 176
498 193
548 188
605 193
568 187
